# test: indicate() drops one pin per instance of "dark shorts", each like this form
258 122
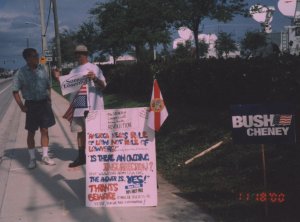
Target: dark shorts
39 115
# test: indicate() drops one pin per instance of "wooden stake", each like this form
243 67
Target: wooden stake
204 152
265 177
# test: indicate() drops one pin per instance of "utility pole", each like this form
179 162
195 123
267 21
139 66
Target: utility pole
44 40
57 39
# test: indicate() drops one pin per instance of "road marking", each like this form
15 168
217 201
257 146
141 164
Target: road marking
5 88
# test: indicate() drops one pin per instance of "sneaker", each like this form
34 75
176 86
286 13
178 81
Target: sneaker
47 161
77 162
32 164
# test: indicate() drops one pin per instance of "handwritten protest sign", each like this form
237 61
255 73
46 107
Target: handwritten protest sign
121 159
71 83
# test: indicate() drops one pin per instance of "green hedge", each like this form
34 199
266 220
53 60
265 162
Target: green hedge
130 80
211 82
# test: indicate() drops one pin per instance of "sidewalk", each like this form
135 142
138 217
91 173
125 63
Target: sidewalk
57 193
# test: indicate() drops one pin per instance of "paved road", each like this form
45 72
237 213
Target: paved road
5 95
5 100
57 193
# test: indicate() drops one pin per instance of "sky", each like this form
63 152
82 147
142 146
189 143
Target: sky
20 24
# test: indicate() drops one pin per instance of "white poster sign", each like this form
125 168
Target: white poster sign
71 83
121 159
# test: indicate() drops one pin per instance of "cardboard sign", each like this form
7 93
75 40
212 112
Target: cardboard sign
262 124
121 159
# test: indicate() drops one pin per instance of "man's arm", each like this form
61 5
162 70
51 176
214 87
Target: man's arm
98 82
56 74
49 93
19 101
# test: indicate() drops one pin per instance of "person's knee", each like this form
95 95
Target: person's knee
30 134
44 131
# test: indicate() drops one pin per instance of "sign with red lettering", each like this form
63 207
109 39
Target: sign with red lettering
121 159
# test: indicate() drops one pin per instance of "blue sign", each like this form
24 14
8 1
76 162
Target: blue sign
263 123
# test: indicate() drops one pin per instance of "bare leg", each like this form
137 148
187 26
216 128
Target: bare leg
44 137
31 149
44 143
30 140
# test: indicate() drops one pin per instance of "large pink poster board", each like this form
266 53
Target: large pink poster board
121 159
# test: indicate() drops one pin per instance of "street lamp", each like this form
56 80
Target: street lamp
32 23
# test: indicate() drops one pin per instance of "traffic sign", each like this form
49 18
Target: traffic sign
43 60
49 59
48 53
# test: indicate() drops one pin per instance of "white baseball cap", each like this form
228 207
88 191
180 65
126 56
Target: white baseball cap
81 48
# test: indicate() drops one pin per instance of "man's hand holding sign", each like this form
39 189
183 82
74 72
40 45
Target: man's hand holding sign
92 76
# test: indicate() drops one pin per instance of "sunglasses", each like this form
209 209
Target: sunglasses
34 55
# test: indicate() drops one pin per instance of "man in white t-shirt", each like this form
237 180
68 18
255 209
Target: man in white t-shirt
96 83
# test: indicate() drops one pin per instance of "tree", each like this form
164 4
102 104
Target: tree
88 35
225 44
203 48
110 17
253 41
191 13
147 24
68 44
183 51
133 23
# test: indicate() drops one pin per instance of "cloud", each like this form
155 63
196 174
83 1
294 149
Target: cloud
13 21
22 22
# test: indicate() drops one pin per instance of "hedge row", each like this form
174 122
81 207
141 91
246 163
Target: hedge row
211 82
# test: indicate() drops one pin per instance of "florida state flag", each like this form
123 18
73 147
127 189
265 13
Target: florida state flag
158 112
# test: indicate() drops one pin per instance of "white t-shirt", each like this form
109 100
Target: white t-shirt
95 95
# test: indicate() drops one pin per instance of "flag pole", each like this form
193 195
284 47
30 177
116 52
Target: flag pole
88 83
157 111
88 93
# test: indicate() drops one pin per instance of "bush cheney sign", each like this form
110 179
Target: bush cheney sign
260 124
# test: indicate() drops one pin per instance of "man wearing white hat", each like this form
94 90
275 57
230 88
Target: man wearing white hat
96 85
